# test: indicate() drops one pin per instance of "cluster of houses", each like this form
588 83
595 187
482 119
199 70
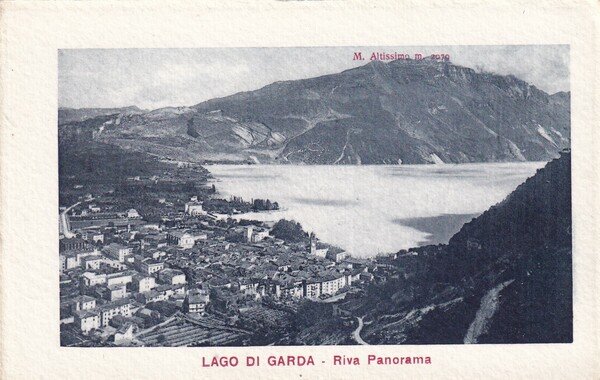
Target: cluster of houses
112 276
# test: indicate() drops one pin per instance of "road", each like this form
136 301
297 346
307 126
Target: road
356 333
63 218
483 317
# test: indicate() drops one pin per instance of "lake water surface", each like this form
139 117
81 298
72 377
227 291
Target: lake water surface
375 209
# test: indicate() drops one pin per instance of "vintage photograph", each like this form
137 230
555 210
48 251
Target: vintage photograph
359 195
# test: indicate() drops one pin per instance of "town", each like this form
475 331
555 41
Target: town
189 273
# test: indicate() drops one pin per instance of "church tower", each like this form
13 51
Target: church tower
313 244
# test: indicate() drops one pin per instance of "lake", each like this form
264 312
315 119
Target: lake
374 209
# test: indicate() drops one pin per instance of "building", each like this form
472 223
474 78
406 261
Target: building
330 284
254 234
69 244
92 262
117 251
120 278
171 276
194 208
260 234
68 260
149 266
248 284
87 320
336 254
316 248
110 310
312 288
195 301
92 236
112 292
143 283
292 289
73 258
93 279
124 334
181 238
133 214
248 232
83 303
161 293
93 208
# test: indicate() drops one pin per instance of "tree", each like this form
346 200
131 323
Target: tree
289 230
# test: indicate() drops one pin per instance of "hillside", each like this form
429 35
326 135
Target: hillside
505 277
71 115
408 112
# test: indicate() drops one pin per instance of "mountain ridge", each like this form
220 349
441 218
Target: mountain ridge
411 112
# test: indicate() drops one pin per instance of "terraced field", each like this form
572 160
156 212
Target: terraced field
181 331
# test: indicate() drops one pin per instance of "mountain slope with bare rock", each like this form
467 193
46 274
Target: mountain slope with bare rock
404 111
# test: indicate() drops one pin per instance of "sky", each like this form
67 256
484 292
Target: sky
155 78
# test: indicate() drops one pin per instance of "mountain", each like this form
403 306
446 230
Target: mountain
505 277
404 111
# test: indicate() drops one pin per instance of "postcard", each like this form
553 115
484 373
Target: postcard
209 198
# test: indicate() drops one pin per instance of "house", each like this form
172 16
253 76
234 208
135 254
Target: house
161 293
92 262
92 236
248 284
311 288
149 266
331 283
120 278
195 301
73 258
194 208
68 260
336 254
154 253
151 296
92 279
292 289
93 208
116 292
218 282
171 276
181 238
117 251
87 320
260 234
124 334
113 292
82 303
254 234
121 307
115 264
133 214
143 283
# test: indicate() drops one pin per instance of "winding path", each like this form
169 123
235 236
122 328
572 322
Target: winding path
356 333
483 317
